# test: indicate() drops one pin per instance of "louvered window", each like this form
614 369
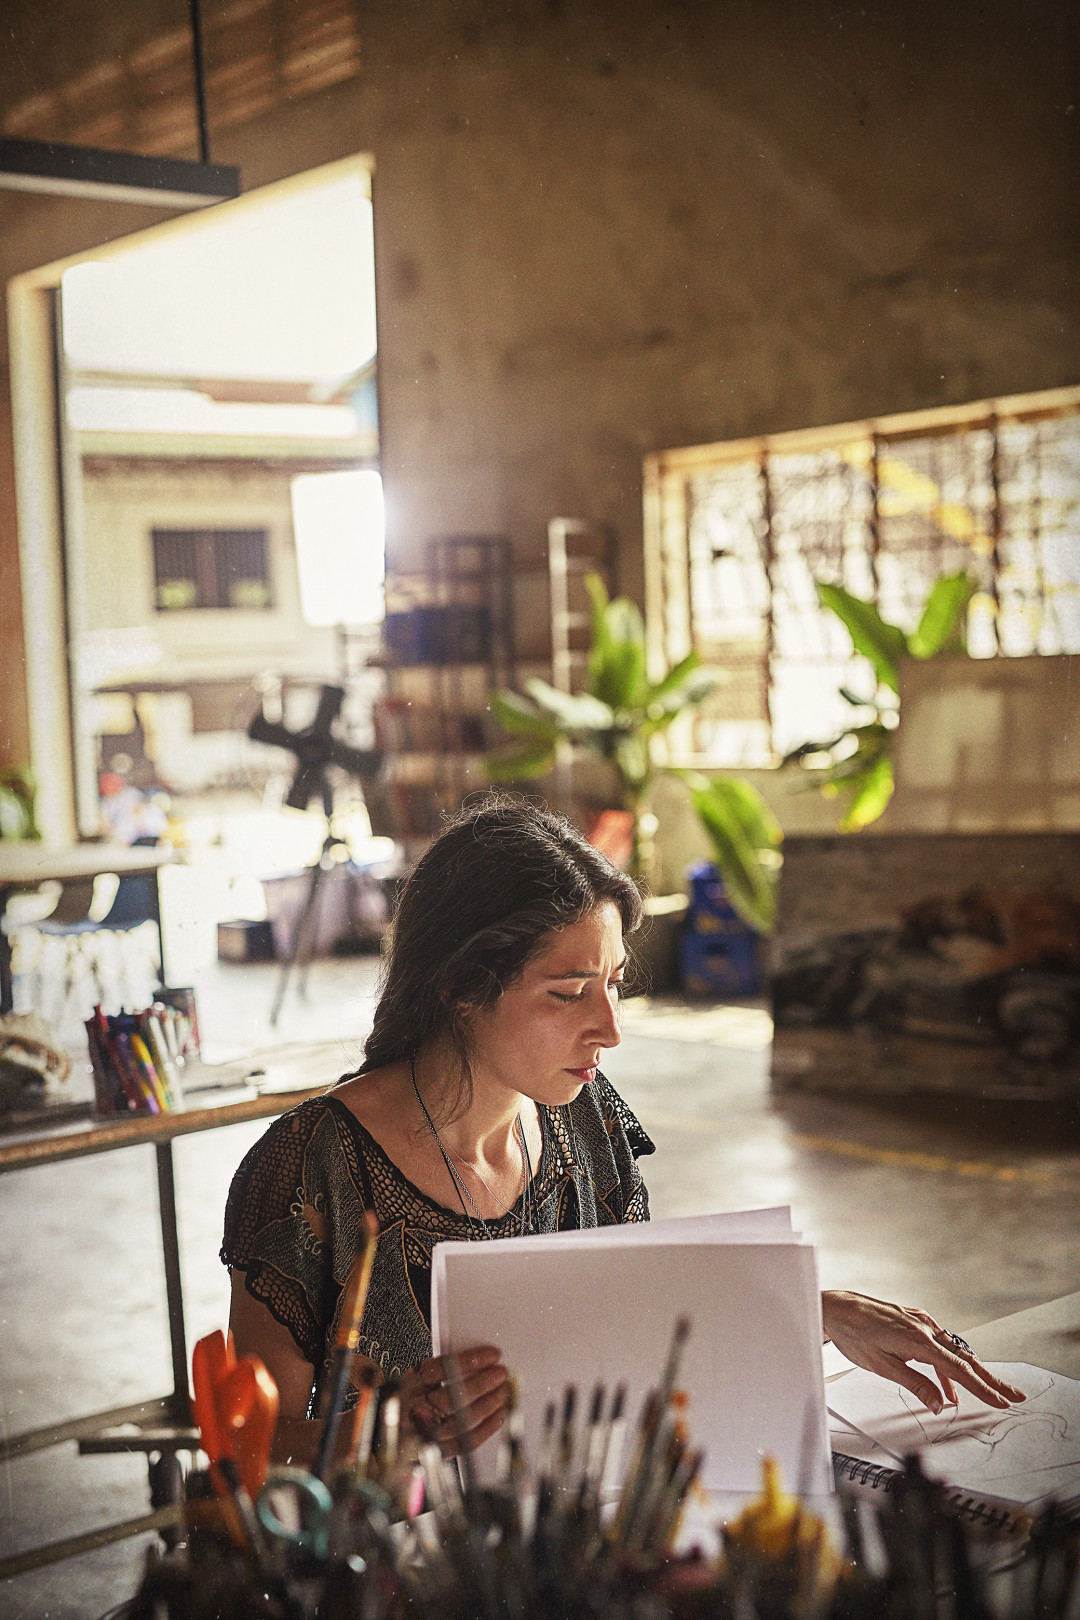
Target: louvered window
738 535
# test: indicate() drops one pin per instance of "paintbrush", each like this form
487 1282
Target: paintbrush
669 1519
665 1459
674 1360
346 1342
636 1473
639 1474
391 1434
593 1454
544 1473
358 1455
511 1485
566 1447
614 1439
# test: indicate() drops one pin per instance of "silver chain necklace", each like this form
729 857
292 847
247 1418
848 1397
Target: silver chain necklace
465 1197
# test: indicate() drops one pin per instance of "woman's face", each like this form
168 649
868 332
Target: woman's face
544 1036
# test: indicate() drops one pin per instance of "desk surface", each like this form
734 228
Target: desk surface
86 1137
1046 1336
25 865
258 1086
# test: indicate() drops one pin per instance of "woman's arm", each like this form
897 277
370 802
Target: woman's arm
883 1338
257 1333
483 1391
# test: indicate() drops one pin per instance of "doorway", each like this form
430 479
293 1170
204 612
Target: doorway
201 521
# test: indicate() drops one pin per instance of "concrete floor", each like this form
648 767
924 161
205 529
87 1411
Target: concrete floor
970 1211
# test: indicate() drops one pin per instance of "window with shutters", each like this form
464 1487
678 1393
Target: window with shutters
211 568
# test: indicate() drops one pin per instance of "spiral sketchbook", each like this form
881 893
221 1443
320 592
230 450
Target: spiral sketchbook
997 1463
601 1306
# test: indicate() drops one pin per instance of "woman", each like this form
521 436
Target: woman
479 1113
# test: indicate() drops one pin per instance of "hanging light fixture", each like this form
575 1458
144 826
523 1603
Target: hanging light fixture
49 168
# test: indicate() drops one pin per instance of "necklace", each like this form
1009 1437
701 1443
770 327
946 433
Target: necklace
488 1188
465 1197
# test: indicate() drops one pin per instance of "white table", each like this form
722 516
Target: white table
25 865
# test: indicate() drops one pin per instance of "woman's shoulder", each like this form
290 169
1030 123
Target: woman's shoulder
303 1141
303 1120
307 1156
601 1101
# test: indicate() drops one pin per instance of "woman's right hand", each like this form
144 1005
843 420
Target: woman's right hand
482 1389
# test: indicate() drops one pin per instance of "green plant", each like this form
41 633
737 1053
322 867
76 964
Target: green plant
618 718
17 805
858 763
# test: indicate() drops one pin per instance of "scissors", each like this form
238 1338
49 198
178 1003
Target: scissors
236 1408
311 1502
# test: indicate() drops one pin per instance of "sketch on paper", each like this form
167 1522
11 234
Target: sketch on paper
1021 1454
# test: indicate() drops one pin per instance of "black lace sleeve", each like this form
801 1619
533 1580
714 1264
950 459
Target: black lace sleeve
279 1224
638 1139
607 1141
623 1122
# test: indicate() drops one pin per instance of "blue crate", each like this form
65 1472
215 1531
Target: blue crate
719 964
718 950
708 896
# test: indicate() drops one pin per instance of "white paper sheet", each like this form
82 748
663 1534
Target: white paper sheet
1018 1455
730 1226
575 1312
737 1226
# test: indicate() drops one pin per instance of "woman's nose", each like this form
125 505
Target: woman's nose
607 1031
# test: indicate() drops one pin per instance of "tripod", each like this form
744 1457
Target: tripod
316 748
306 927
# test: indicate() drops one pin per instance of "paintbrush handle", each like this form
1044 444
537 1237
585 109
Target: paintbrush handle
339 1385
346 1341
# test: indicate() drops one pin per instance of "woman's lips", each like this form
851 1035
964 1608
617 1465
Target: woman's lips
586 1076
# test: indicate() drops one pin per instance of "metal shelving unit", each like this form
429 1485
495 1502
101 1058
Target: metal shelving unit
462 649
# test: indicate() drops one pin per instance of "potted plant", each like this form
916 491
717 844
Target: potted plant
858 763
621 718
17 820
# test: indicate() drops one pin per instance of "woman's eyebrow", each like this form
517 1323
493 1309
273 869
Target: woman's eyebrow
585 973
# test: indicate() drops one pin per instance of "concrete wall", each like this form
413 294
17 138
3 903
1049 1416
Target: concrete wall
612 226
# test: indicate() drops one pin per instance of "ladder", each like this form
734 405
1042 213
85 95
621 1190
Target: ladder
576 547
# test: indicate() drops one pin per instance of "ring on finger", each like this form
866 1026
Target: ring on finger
956 1341
433 1397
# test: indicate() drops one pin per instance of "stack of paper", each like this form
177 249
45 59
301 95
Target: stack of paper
600 1306
1016 1456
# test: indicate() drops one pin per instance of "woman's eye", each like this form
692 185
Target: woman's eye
579 995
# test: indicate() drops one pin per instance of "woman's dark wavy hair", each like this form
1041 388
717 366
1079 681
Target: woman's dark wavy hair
502 876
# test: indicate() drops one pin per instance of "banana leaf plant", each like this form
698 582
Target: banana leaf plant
617 718
858 763
17 820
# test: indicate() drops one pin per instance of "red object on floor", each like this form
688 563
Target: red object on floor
612 833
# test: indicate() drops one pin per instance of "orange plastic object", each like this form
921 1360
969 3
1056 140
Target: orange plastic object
236 1408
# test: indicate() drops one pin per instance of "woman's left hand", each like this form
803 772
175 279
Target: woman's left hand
481 1385
884 1338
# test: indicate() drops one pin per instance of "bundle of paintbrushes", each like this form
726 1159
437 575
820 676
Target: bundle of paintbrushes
392 1530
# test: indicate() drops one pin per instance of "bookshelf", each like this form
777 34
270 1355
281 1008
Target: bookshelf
448 643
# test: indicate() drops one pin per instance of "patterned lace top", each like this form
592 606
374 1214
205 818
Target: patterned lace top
296 1204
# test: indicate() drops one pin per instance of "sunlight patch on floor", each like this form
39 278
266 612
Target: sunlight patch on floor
749 1029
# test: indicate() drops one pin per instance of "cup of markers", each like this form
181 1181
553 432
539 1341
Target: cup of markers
136 1059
